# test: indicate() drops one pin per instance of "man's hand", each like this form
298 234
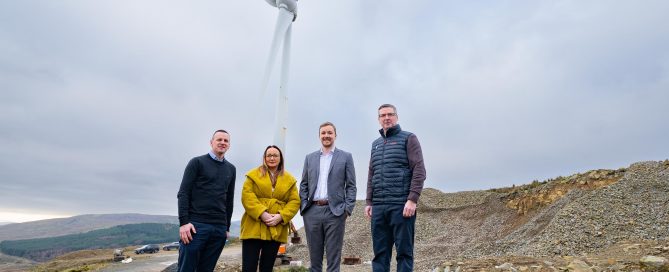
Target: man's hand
368 212
185 233
409 209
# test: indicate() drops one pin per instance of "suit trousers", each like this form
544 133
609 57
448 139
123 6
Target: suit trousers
325 231
390 227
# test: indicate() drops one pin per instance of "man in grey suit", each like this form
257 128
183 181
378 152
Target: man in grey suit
327 193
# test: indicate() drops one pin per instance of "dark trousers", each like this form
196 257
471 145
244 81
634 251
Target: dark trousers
202 253
390 227
256 251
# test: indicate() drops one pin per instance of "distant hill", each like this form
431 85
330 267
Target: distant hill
235 228
2 223
43 249
77 224
84 223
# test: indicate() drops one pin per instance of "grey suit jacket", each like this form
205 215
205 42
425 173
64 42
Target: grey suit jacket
341 182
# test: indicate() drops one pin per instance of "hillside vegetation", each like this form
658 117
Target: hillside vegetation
42 249
13 263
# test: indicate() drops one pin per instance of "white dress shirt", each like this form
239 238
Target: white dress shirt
322 186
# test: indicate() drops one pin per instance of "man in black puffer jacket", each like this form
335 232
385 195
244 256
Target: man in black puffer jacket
395 181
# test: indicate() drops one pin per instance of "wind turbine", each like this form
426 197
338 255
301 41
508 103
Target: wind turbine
282 33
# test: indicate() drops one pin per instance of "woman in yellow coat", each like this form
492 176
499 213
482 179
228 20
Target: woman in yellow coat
270 201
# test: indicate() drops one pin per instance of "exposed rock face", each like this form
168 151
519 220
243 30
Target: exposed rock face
634 208
537 195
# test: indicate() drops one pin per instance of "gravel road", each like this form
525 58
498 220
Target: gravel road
159 261
154 263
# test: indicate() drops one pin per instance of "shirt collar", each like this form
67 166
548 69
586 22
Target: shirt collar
329 153
213 156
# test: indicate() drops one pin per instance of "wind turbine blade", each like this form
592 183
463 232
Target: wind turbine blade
282 102
285 61
283 21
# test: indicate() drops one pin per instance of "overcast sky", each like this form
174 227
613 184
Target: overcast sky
102 103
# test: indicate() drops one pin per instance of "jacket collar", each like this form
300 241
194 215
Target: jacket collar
391 131
254 175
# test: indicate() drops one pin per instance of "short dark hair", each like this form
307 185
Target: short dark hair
325 125
220 130
388 106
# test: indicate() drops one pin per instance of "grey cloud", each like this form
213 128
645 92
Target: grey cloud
102 104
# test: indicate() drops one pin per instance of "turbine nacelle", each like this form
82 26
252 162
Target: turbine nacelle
288 5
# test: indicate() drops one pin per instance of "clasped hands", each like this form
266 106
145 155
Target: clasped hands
271 220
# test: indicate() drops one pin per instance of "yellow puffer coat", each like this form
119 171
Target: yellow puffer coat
257 197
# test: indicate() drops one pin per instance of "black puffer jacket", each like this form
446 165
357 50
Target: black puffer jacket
390 164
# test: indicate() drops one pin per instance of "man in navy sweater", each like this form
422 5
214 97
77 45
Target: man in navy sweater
205 198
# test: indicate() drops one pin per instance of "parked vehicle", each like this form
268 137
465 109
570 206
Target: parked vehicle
118 255
170 246
150 248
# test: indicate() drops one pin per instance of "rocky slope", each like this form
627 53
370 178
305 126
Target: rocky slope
587 213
